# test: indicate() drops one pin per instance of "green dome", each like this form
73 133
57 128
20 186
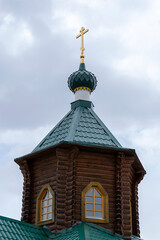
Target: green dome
82 79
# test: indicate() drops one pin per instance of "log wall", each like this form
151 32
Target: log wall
68 171
95 167
43 171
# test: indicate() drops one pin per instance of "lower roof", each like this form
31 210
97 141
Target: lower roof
11 229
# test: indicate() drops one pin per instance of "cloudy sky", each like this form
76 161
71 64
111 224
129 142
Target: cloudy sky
38 51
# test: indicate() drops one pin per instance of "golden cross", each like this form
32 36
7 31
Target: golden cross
82 32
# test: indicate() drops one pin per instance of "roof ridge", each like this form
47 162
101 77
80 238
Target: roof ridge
67 230
73 127
110 232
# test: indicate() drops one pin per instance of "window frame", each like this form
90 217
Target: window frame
105 204
40 196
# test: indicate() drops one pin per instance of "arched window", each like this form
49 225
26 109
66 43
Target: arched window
45 206
95 203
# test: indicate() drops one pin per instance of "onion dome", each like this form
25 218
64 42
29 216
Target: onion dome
82 80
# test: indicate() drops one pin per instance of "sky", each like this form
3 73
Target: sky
38 53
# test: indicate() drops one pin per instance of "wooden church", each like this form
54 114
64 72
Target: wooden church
79 182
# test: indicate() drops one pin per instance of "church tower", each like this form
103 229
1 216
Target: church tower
79 172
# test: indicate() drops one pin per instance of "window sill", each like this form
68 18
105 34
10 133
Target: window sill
95 220
45 222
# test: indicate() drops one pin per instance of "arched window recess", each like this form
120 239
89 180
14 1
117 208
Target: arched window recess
95 203
45 206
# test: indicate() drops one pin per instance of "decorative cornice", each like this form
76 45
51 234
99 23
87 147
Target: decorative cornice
82 88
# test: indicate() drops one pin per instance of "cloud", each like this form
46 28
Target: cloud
15 36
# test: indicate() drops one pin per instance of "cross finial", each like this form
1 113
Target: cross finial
82 32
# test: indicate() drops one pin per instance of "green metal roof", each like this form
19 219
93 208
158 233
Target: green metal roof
80 126
11 229
17 230
87 231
